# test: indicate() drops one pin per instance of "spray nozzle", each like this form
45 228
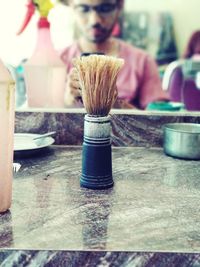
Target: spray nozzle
43 6
29 14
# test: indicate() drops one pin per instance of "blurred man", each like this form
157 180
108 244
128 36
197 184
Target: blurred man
138 82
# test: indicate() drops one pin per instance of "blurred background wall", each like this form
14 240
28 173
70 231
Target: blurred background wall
185 14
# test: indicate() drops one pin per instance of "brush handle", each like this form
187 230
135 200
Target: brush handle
96 153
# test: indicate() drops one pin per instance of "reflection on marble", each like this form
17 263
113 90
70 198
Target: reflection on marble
153 206
6 235
97 259
130 128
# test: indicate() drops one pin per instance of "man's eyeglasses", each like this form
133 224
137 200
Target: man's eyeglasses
102 9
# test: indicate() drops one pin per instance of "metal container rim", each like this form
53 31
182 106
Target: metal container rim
193 128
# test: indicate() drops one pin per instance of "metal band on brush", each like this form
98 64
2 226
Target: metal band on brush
97 127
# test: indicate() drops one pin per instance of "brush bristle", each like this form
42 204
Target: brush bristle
97 77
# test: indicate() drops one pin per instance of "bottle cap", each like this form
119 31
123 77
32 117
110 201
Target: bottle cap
43 23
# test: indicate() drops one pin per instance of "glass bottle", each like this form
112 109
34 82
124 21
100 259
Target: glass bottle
7 105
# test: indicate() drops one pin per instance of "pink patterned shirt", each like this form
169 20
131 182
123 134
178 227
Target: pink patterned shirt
138 82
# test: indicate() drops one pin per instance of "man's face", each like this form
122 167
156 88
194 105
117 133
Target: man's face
96 18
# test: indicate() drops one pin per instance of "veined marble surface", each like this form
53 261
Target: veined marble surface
13 258
129 127
153 206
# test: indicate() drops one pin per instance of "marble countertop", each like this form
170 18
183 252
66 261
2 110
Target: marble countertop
153 206
129 127
33 258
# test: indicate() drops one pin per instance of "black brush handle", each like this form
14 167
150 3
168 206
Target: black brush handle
96 153
96 166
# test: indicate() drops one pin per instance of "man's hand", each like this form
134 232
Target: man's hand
123 104
73 91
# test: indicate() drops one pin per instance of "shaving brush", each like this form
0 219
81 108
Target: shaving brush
97 78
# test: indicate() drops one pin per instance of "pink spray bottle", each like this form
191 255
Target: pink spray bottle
44 72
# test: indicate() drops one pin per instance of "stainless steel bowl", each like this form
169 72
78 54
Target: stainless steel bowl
182 140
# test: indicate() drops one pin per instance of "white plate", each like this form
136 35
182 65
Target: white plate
25 142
